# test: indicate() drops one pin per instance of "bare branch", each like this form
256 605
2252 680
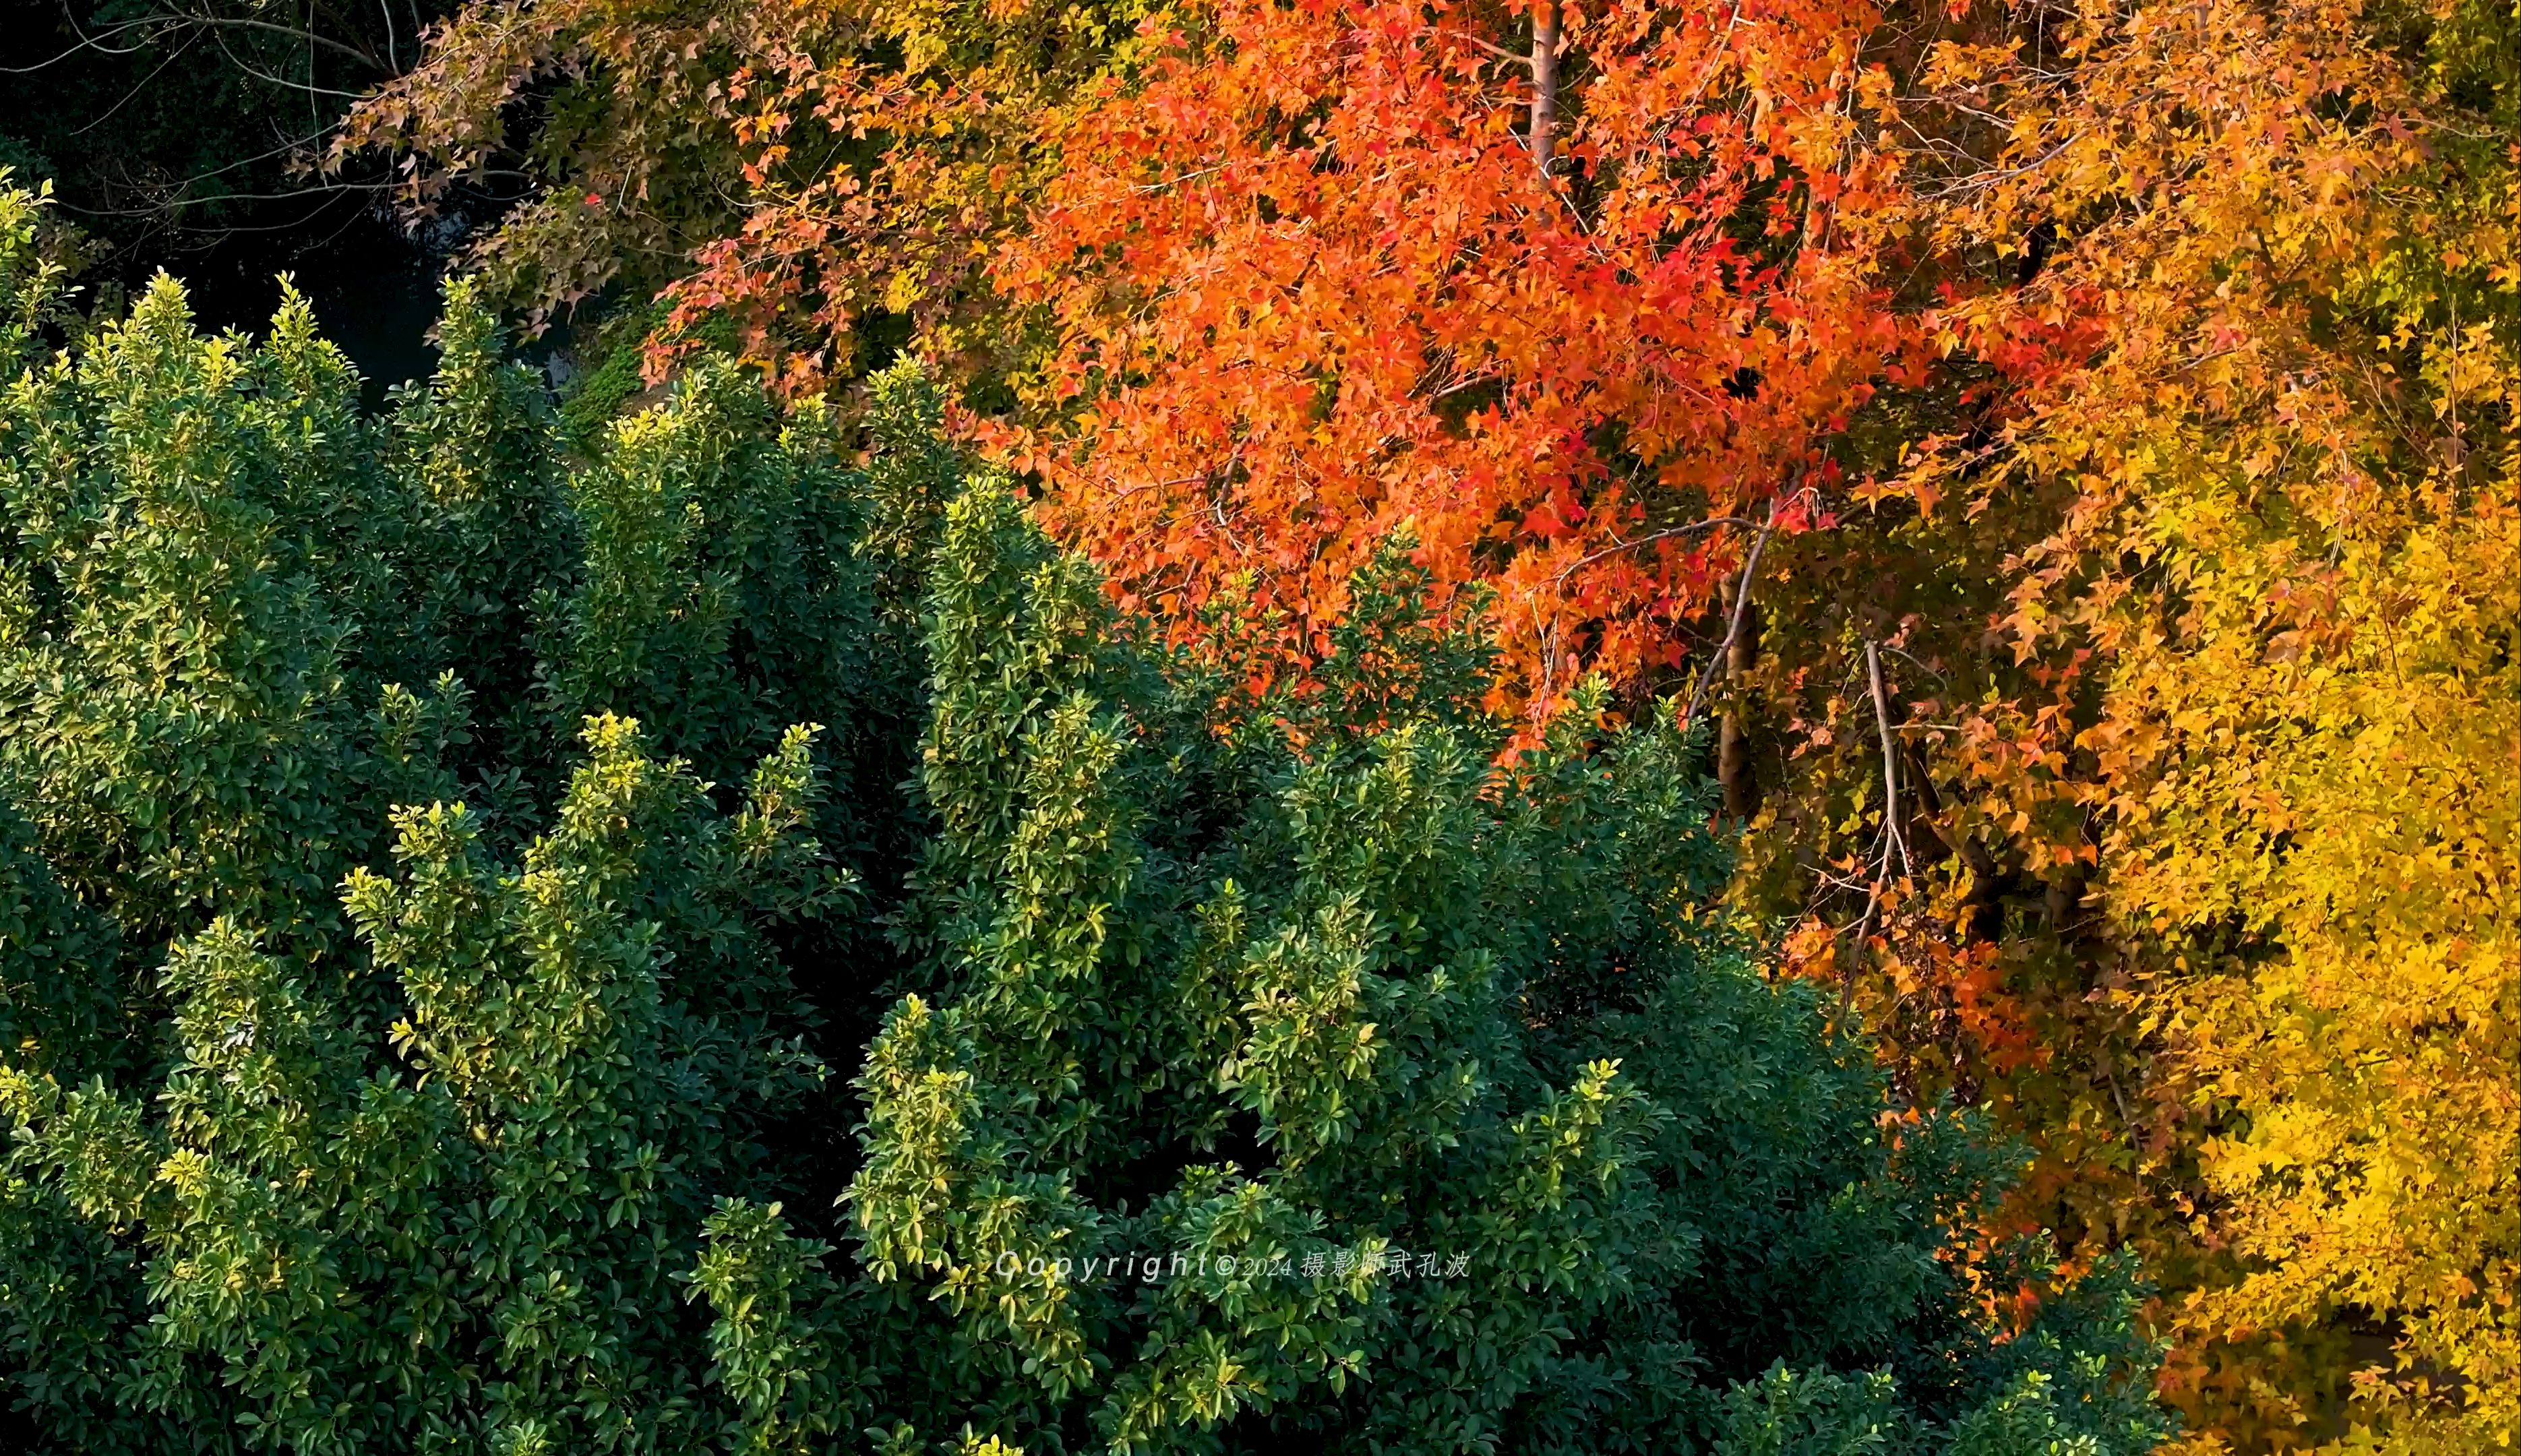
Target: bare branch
1499 51
1894 842
367 58
1733 631
1890 763
1648 539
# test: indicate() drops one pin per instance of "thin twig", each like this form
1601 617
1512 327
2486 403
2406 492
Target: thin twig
1155 187
363 57
1499 51
1648 539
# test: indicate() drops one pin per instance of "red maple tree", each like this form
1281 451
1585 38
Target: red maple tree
1573 298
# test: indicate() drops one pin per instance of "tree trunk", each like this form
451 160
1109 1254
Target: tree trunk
1733 770
1544 82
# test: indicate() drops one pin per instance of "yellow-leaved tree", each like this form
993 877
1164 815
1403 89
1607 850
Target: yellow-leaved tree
2316 799
2265 332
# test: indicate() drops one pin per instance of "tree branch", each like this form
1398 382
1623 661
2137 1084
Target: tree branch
1890 763
367 58
1733 631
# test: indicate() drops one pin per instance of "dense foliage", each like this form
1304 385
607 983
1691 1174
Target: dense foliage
641 134
2070 447
2230 514
1191 998
346 1107
434 933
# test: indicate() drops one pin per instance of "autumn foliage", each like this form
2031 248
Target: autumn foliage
1313 286
2070 449
2276 618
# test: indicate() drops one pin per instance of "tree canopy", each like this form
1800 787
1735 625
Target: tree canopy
729 941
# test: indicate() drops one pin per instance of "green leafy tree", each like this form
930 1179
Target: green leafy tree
343 1125
1375 1097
